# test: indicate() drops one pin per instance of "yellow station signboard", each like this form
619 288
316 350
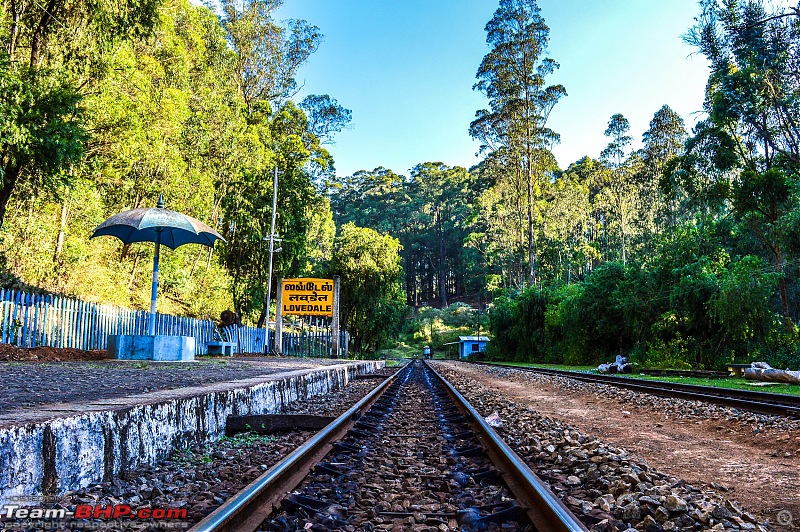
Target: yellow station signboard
307 297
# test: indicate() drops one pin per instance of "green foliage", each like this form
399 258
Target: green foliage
41 130
429 213
123 102
518 328
689 306
372 301
50 59
438 327
681 254
514 129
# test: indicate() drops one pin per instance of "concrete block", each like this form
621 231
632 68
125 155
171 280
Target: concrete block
146 347
221 348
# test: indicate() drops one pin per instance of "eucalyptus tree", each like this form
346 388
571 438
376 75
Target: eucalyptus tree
616 150
620 195
663 140
52 54
496 239
566 224
376 199
441 200
661 144
512 75
753 102
268 53
325 116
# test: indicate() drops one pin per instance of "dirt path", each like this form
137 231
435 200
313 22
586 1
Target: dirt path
761 471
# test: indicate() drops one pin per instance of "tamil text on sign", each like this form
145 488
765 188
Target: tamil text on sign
307 297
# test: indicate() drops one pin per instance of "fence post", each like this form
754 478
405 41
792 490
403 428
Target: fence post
15 339
335 325
279 318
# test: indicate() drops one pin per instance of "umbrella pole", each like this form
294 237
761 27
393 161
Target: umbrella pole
154 292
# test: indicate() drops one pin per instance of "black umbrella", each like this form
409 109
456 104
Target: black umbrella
161 226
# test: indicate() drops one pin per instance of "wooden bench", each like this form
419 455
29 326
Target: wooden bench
221 348
737 370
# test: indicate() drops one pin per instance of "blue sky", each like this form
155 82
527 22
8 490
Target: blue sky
406 70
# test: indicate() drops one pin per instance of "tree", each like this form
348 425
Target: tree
268 54
620 196
53 54
372 302
512 75
753 102
376 199
617 130
566 223
441 197
41 132
325 116
662 143
267 57
285 143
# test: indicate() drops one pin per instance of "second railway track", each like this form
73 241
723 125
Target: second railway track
752 401
420 458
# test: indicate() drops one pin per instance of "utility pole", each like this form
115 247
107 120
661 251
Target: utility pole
272 250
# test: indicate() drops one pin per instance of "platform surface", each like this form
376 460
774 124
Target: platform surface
35 391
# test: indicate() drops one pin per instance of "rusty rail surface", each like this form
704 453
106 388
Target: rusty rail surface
774 404
246 510
544 509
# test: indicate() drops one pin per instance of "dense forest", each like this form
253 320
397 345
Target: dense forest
685 252
104 106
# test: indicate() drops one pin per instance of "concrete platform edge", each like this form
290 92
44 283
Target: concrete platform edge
67 453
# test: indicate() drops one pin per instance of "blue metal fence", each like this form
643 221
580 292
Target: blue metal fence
34 320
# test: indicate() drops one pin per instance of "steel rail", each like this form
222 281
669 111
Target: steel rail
246 510
543 507
752 401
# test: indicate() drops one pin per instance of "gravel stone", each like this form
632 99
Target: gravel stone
626 492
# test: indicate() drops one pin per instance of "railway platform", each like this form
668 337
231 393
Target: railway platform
64 425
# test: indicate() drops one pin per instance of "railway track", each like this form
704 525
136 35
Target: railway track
412 454
752 401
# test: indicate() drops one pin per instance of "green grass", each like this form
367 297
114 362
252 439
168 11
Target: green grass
247 438
731 383
401 350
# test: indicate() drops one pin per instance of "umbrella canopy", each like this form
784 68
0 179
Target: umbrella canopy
144 225
161 226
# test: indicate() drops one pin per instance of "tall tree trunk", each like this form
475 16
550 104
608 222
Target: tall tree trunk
783 292
62 228
531 248
37 40
9 182
442 271
14 33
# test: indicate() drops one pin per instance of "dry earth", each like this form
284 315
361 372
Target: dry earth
760 469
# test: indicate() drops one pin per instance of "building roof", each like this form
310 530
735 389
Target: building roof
473 338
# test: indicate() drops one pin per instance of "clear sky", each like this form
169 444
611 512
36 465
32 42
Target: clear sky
406 69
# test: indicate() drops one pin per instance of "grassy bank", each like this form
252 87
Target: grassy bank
730 383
